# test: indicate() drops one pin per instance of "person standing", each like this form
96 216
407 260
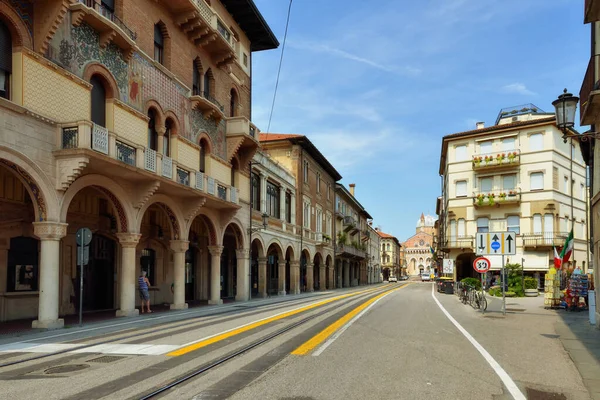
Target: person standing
144 284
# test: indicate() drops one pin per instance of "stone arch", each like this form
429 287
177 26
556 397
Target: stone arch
260 245
318 256
328 260
234 101
306 252
170 208
18 30
208 219
176 126
238 231
36 183
198 65
160 114
204 138
274 243
112 190
107 78
290 249
210 76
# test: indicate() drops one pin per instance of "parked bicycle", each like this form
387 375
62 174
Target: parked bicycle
469 294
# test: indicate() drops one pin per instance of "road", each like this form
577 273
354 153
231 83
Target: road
389 341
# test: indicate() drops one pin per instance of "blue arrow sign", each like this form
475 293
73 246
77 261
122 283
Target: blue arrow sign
495 246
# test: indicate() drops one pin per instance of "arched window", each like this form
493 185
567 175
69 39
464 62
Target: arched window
203 152
207 82
167 138
159 44
255 195
152 134
98 101
234 168
196 78
5 60
233 103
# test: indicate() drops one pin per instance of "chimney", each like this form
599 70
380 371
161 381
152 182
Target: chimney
480 125
352 186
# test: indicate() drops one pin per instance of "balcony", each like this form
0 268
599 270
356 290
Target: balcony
322 239
105 22
589 94
461 242
203 27
345 250
208 105
497 198
349 224
89 147
242 136
505 159
545 240
591 11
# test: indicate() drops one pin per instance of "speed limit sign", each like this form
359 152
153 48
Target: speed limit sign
481 265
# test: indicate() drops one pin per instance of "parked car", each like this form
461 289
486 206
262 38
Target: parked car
425 277
404 278
393 279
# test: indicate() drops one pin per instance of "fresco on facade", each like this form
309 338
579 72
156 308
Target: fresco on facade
25 10
74 47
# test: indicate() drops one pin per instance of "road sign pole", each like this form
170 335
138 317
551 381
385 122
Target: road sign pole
483 276
503 288
81 285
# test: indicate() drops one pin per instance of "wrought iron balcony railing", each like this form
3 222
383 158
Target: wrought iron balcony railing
110 15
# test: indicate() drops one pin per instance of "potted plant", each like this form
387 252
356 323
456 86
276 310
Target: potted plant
480 198
488 159
342 237
491 197
326 238
531 285
512 156
502 196
477 161
512 193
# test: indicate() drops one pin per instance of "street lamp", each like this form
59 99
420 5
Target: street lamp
565 107
265 223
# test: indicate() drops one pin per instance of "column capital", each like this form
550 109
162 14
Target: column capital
129 240
161 130
179 246
215 250
263 260
243 254
295 264
50 230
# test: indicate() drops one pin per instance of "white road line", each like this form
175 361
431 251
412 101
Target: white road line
333 338
502 374
114 348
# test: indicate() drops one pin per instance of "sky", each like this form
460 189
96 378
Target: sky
375 88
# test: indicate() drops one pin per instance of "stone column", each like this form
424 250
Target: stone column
294 277
262 277
345 274
179 248
331 277
159 139
129 242
310 277
215 274
293 205
322 278
243 271
49 234
281 280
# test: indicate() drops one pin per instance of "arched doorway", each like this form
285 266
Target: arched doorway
98 275
274 257
464 266
317 264
257 252
328 273
228 277
304 257
289 256
386 274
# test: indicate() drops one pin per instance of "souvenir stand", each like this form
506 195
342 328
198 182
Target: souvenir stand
576 293
552 289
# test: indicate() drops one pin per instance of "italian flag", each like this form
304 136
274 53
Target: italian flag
567 248
557 259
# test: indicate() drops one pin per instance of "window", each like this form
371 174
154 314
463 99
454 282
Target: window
483 225
319 220
167 138
197 79
255 195
508 144
486 184
148 262
338 204
566 185
318 182
306 215
548 223
452 229
152 134
536 142
288 207
207 91
272 200
98 101
159 44
233 103
461 152
537 181
5 60
513 224
22 274
509 182
202 156
329 191
485 147
245 58
461 188
305 171
461 227
537 223
234 168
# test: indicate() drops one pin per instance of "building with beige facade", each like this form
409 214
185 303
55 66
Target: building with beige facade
131 118
390 253
373 255
417 248
312 267
351 238
513 176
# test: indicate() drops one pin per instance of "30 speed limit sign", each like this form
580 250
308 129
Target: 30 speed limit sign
481 264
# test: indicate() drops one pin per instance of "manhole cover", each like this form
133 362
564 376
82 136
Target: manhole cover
64 369
106 359
533 394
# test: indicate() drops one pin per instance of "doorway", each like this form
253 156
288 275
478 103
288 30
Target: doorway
98 276
190 275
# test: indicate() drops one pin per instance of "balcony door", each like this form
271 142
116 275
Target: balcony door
487 184
548 229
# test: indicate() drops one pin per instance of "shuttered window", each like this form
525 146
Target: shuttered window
5 60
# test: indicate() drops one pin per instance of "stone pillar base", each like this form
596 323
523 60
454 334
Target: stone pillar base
281 293
52 324
182 306
214 303
310 290
128 313
241 298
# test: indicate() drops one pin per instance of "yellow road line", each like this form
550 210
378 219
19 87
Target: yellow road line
252 325
331 329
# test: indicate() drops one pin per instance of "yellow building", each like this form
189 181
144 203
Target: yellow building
390 255
513 176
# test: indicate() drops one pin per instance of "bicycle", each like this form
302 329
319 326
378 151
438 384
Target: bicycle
480 300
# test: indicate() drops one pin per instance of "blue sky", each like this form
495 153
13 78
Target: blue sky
376 88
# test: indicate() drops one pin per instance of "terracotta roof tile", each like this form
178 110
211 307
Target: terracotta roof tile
265 137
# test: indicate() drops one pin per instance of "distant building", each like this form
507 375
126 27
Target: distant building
417 248
390 255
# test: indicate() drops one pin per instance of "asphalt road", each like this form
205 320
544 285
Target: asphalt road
379 342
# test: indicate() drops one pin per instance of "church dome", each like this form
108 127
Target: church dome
425 221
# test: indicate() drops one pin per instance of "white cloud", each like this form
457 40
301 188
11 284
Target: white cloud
517 88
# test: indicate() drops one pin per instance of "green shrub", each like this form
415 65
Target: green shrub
496 291
510 294
531 283
472 282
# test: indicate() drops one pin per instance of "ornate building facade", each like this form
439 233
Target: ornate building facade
417 248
